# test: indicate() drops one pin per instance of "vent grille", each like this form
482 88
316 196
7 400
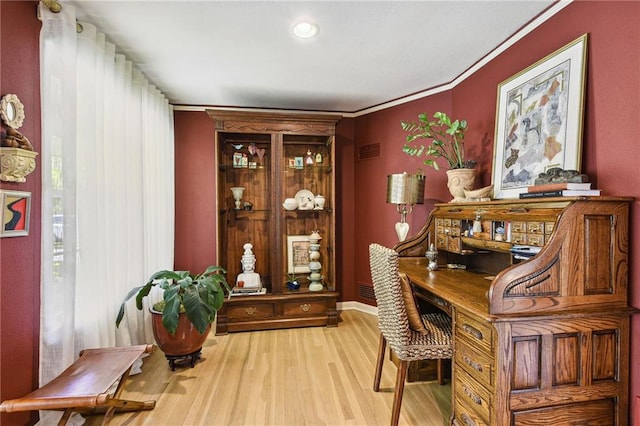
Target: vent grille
367 152
366 292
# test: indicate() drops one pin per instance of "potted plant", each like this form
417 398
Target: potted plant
182 320
446 141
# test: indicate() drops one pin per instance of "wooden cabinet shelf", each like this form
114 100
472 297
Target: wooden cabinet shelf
275 156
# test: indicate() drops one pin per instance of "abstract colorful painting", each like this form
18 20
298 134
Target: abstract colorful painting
539 120
16 207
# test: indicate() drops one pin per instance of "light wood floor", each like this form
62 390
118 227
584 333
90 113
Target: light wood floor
304 376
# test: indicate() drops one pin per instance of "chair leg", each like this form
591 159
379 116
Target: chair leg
401 376
382 347
440 368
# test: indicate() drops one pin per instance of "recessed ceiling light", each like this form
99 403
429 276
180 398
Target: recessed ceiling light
305 29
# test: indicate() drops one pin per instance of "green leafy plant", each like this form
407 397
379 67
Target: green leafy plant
447 140
198 296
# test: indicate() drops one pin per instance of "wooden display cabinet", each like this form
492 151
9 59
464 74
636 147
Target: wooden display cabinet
266 153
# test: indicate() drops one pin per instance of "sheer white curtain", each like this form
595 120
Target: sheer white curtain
108 190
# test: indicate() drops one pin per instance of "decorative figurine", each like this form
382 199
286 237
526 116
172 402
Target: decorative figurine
249 278
314 266
432 255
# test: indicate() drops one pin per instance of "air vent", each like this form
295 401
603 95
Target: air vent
367 152
366 292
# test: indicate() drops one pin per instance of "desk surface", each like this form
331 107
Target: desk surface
460 288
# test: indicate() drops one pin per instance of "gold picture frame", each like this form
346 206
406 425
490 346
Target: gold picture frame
539 120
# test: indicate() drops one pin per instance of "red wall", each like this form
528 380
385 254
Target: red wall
195 240
20 256
612 124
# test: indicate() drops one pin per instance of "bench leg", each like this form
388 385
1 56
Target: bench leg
65 417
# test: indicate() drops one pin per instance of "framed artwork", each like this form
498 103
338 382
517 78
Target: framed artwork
298 254
16 209
539 120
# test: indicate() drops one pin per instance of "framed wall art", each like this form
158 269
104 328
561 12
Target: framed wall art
539 120
298 254
16 209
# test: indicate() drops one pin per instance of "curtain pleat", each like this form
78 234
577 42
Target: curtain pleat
108 191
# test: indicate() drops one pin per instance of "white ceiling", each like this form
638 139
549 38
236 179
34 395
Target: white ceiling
242 53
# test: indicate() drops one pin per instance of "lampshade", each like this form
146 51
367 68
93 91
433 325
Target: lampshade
403 188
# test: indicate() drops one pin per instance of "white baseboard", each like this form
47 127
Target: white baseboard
357 306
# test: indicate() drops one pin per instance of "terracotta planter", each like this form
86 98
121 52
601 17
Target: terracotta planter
460 180
186 341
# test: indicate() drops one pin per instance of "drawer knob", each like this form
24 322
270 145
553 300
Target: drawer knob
472 395
250 311
472 331
467 420
475 365
305 307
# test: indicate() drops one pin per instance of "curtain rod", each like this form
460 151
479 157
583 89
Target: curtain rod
53 5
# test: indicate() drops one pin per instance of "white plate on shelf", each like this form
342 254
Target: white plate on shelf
304 198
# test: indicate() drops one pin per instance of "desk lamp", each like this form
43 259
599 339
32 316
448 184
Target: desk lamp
404 191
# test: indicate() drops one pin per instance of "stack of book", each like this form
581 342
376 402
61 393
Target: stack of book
246 291
562 189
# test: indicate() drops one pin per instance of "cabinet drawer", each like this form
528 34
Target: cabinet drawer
519 227
251 311
475 333
303 308
477 364
470 394
517 238
535 227
548 227
535 240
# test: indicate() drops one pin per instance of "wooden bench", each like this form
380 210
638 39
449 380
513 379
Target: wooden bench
84 386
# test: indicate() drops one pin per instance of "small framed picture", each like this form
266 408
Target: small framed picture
237 159
292 163
298 162
16 209
298 254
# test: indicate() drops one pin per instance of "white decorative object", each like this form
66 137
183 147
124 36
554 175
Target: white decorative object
319 202
314 265
237 195
16 163
290 204
248 278
305 198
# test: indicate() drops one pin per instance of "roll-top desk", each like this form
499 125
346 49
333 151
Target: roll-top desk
541 339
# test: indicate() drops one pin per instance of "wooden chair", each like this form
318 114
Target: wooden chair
83 387
410 335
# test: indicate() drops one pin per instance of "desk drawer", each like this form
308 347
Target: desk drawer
467 417
477 364
473 396
475 333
